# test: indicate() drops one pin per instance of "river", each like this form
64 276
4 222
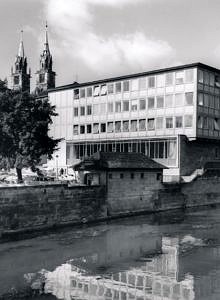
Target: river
162 256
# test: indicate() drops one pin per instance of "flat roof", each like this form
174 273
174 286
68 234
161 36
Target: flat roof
152 72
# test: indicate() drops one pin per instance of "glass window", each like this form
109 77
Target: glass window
189 75
82 110
206 78
150 124
125 105
134 105
150 102
217 81
217 102
188 120
82 129
110 127
82 93
142 125
89 128
200 76
211 101
96 91
179 122
103 89
142 104
142 83
169 122
118 87
76 94
205 122
133 125
216 124
96 128
200 99
117 126
125 126
102 108
134 84
110 107
189 98
89 110
206 100
211 123
103 127
160 80
151 81
95 109
159 123
169 79
75 111
211 79
75 129
110 88
178 99
118 106
200 122
126 86
168 100
89 92
160 101
180 77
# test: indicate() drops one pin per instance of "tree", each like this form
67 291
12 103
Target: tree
24 126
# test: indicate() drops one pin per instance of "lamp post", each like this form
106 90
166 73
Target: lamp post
57 166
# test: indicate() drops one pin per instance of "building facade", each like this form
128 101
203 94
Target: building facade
171 115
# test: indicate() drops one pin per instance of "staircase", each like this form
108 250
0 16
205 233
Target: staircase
193 176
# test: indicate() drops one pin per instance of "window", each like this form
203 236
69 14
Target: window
89 110
110 107
211 101
150 124
189 98
76 94
205 122
125 126
103 127
200 76
110 88
169 79
188 120
206 78
200 122
126 86
110 127
125 105
160 101
118 87
216 124
150 102
132 175
133 125
179 122
118 106
95 128
102 108
178 99
96 91
121 175
134 84
211 123
117 126
142 83
142 125
160 80
89 92
217 81
82 93
142 104
82 110
16 80
41 78
95 109
168 100
103 89
211 79
134 105
75 111
159 123
206 100
82 129
151 81
189 75
217 102
89 128
75 129
200 99
180 77
169 122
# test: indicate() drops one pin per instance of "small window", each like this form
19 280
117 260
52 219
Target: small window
206 100
121 175
89 128
169 122
134 84
189 98
142 104
103 89
82 129
134 125
142 83
125 105
200 99
75 111
179 122
169 79
102 108
150 124
110 107
189 74
160 101
200 122
118 87
206 78
200 76
126 86
110 127
89 110
132 175
216 124
142 175
134 105
82 93
89 92
217 81
75 129
211 79
103 127
151 81
82 110
118 106
180 77
16 80
95 128
110 88
95 109
188 120
96 91
125 126
151 102
179 100
160 80
142 125
159 123
76 94
110 175
118 126
168 100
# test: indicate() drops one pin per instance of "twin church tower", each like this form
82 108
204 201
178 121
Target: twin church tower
45 75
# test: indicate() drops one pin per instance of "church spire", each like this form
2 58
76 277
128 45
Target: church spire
21 46
46 44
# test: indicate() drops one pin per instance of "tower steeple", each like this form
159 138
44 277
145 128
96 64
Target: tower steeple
20 77
45 75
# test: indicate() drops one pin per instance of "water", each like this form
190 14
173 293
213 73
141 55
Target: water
168 256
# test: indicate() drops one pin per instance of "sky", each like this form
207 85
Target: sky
94 39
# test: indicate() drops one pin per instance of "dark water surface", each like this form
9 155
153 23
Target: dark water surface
168 256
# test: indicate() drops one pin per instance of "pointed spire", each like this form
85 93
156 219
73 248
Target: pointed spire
46 38
21 46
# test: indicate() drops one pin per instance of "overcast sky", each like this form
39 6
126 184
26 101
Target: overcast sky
91 39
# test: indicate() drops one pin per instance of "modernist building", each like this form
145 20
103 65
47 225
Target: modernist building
171 115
